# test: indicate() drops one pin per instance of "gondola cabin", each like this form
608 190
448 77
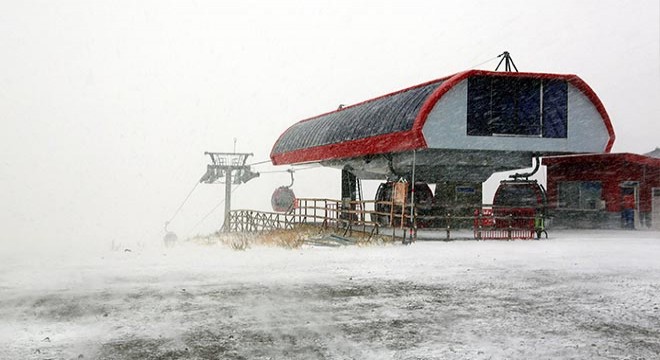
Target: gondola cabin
513 194
386 193
524 200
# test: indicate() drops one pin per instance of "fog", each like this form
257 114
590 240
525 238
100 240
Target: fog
107 107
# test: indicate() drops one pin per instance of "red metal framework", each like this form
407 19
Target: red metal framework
519 223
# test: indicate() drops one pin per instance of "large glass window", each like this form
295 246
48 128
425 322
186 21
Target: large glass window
503 106
580 195
555 108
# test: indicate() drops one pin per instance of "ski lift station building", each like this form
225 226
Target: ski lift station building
456 131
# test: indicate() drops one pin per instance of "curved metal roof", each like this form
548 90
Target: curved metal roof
387 124
388 114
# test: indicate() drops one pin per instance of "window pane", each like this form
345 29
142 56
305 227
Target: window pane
506 106
503 106
580 195
569 195
590 195
555 108
478 104
529 107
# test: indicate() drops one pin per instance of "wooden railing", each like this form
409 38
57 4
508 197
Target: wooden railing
345 217
361 216
254 221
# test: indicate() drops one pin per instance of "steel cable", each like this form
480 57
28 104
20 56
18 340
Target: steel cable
181 206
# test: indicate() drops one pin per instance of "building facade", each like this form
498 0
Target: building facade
604 191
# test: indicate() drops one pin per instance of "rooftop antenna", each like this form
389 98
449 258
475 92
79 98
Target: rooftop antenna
508 62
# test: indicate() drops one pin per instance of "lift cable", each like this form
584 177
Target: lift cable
291 171
212 211
272 172
259 162
288 170
181 206
309 167
489 60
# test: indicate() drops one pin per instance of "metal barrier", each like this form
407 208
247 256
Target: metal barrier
507 223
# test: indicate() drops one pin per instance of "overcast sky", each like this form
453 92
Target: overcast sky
107 106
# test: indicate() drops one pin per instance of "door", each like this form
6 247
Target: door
655 208
630 205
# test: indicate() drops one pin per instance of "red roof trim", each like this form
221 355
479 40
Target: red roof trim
457 78
610 158
435 97
299 155
394 142
572 79
414 139
378 98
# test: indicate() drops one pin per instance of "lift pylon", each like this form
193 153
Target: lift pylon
227 168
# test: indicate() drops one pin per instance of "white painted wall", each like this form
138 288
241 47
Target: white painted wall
446 128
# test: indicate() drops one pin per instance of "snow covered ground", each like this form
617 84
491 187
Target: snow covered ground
581 295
